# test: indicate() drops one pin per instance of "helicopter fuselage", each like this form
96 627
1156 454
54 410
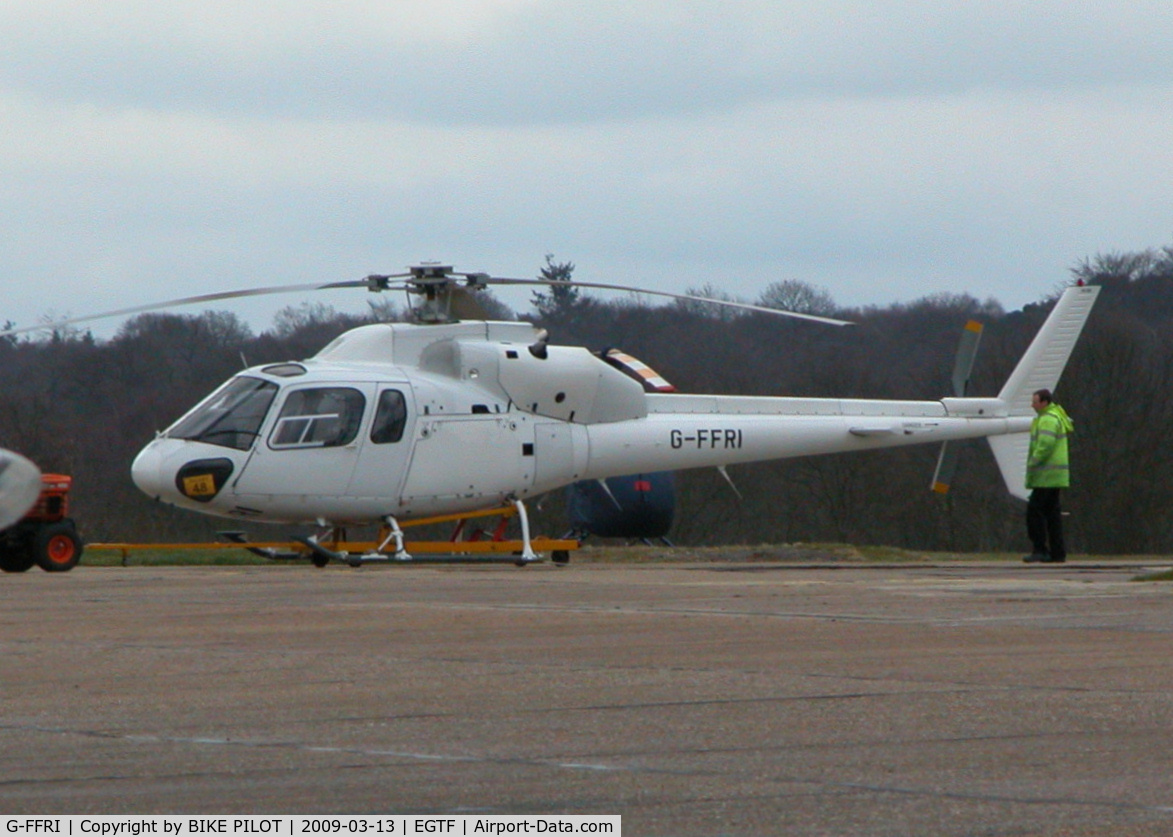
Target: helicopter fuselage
391 420
406 421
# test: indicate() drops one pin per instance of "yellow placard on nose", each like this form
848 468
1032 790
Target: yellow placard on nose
201 485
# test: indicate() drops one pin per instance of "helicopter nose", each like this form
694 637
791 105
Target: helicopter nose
145 471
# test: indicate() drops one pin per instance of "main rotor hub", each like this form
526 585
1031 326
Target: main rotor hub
437 284
431 272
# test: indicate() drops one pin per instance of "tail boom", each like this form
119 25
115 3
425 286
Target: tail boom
696 431
669 441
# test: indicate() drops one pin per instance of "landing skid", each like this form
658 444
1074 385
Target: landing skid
331 546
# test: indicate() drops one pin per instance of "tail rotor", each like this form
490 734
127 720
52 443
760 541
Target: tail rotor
971 338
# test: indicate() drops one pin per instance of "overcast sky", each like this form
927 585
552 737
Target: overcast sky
880 150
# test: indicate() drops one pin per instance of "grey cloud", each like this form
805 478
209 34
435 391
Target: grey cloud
576 63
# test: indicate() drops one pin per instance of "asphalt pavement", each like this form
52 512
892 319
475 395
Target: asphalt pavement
692 699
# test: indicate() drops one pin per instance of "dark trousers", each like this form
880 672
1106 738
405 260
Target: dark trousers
1044 522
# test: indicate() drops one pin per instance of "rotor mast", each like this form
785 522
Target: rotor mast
444 293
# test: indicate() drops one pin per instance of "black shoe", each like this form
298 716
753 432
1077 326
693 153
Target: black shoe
1036 558
1049 560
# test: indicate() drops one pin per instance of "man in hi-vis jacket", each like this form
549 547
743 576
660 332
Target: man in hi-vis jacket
1046 475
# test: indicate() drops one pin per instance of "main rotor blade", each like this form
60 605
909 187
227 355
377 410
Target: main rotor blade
196 300
574 283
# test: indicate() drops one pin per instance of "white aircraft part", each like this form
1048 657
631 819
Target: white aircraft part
441 395
758 405
379 471
560 450
411 341
155 468
273 470
476 458
561 382
1040 368
1010 452
570 384
1044 361
405 343
674 441
20 485
975 407
494 421
361 344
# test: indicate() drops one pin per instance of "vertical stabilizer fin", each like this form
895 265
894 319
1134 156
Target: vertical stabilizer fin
1040 368
1010 453
1043 362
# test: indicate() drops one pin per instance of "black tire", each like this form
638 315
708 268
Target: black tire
560 557
57 547
16 559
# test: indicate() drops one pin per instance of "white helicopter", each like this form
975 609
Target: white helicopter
394 422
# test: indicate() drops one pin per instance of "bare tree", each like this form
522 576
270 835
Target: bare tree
800 297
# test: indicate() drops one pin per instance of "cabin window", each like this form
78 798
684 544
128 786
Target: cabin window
231 417
390 417
318 418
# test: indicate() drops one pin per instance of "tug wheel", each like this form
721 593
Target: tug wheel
57 547
16 560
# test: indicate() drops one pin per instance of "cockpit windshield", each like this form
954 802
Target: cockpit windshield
231 417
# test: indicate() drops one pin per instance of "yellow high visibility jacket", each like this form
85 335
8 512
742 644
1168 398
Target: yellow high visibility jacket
1047 465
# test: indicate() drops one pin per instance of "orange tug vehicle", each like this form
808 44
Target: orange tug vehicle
46 535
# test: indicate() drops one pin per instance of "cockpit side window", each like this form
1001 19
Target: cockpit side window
230 417
318 418
390 417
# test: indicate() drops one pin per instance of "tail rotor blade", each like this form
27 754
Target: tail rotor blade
971 337
946 468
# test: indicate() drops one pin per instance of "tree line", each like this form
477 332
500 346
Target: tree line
82 406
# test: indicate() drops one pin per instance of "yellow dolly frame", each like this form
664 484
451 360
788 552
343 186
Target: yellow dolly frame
332 544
